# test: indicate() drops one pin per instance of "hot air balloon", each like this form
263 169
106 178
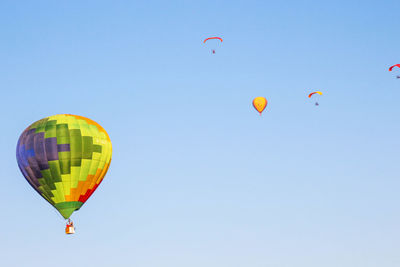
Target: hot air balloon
313 93
260 103
64 158
213 38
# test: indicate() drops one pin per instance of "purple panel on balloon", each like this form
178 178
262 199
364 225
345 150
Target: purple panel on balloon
51 148
35 168
40 152
63 148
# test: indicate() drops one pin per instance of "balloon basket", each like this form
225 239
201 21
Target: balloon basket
69 228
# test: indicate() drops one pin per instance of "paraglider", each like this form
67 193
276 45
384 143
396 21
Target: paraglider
260 103
64 158
391 68
313 93
212 38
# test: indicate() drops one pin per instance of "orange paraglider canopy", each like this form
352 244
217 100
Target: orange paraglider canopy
317 92
210 38
397 65
260 103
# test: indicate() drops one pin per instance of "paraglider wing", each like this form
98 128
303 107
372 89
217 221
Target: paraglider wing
211 38
391 68
64 158
260 103
317 92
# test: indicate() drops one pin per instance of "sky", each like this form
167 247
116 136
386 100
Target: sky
198 178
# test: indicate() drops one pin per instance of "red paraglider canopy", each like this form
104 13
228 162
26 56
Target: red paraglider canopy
397 65
210 38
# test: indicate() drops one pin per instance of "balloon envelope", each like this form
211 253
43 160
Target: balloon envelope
259 103
64 158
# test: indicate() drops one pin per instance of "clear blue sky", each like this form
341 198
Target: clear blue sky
198 178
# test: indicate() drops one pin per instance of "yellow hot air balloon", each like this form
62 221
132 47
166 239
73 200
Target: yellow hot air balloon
260 103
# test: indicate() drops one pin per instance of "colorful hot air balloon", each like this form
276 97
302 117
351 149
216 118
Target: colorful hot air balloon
64 158
260 103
